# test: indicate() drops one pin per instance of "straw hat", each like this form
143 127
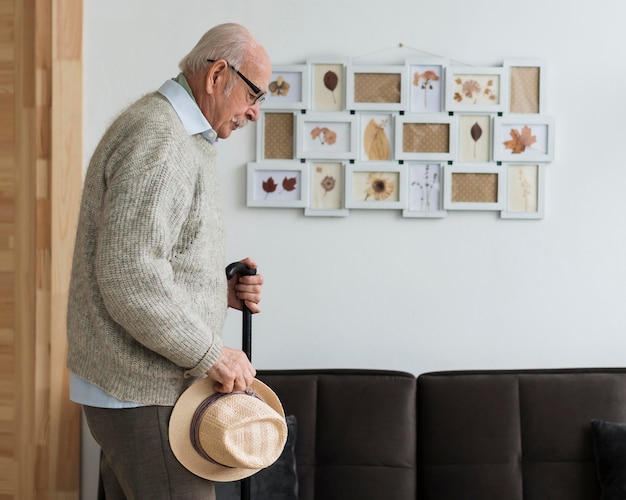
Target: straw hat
227 437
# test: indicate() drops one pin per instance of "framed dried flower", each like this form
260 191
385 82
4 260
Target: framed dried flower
375 185
288 87
426 84
326 136
475 89
524 191
326 185
424 190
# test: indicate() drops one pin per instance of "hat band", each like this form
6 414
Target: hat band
194 431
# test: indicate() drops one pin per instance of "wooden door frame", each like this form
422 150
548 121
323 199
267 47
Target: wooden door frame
48 182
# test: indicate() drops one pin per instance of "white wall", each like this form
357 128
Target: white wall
374 290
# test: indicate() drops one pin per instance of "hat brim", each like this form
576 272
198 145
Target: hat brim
180 424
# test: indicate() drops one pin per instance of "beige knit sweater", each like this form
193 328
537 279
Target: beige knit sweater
148 292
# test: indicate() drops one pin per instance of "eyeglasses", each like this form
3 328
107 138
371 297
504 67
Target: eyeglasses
259 95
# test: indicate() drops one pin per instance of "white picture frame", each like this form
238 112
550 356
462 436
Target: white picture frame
424 198
328 83
429 137
523 138
375 185
476 89
525 191
326 189
277 184
326 136
474 187
376 136
526 85
376 87
474 133
288 87
276 135
426 84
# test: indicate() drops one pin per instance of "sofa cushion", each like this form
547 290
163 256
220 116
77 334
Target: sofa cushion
279 481
609 446
356 431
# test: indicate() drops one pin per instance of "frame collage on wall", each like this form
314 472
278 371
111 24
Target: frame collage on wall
424 137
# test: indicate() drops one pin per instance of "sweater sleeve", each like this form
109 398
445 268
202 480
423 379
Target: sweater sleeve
147 220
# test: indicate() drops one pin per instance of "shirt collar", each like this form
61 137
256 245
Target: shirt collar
178 93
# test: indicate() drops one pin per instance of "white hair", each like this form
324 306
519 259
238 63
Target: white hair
229 41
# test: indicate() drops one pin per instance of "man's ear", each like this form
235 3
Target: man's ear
216 75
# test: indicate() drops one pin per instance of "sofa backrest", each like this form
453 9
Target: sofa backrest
513 435
356 433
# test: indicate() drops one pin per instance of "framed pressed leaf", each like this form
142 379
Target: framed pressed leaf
473 187
474 136
327 191
288 87
326 136
424 190
425 137
277 184
328 83
376 88
475 89
523 138
426 76
525 185
375 185
376 136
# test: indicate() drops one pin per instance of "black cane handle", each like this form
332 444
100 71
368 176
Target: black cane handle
246 329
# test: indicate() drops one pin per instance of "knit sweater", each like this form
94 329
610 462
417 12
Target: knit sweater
148 293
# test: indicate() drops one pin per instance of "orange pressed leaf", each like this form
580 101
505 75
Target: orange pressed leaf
520 141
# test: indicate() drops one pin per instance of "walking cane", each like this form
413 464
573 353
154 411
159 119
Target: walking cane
246 341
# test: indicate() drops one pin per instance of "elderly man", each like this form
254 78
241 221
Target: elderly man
148 294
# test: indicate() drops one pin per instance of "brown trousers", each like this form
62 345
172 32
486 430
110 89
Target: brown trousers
137 462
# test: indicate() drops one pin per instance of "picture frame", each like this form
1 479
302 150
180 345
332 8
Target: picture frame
276 135
526 85
326 136
426 84
327 189
376 136
424 190
474 89
328 83
277 184
376 87
474 137
288 87
375 185
425 137
474 187
525 187
523 138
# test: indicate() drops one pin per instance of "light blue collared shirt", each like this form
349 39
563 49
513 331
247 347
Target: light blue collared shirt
178 93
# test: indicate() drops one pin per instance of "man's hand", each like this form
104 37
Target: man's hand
247 288
232 371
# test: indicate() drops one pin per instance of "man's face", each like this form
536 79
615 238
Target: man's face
235 110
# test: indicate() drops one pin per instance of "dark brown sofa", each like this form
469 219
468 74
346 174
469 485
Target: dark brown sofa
492 435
